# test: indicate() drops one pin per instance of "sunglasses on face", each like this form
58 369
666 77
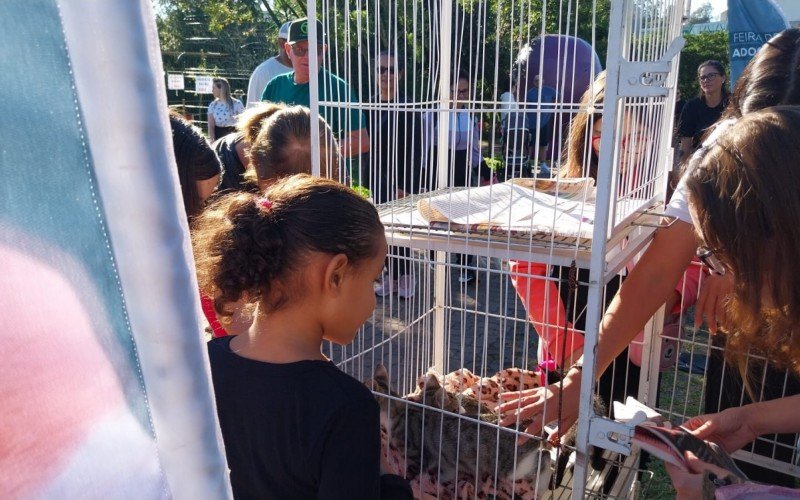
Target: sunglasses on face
711 261
302 51
386 69
708 76
462 91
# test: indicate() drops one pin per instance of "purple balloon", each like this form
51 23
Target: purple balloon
566 66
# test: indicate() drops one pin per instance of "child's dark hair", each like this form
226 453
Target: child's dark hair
283 146
195 159
250 246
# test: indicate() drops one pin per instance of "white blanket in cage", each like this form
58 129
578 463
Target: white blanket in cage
561 207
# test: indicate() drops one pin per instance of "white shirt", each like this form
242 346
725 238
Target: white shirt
508 103
679 204
223 115
261 76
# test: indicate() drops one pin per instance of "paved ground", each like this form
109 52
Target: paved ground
485 327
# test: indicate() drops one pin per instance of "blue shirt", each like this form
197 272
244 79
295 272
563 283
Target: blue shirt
532 97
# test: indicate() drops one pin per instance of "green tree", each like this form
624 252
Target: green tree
699 48
701 15
230 37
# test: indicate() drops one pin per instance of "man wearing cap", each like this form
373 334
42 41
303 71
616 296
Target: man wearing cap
270 68
348 123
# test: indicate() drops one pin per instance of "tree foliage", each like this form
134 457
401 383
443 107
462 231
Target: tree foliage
230 36
699 48
702 14
233 36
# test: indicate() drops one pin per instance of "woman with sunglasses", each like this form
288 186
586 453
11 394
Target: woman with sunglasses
464 152
394 169
771 78
704 110
759 151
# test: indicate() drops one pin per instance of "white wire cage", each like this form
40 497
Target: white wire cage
472 224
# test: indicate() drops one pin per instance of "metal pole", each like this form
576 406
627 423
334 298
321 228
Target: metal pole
313 85
605 190
443 153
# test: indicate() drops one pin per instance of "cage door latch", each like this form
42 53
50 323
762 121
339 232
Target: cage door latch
648 78
611 435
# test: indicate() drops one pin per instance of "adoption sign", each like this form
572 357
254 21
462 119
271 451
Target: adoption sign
175 82
751 23
203 84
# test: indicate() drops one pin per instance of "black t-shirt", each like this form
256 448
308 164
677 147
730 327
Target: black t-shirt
395 151
298 430
232 178
696 117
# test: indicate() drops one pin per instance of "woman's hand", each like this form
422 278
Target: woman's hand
714 295
730 429
539 406
689 485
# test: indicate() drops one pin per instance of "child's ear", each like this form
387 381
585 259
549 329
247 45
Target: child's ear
335 272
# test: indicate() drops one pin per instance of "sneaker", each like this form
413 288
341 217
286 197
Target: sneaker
692 363
385 286
466 276
406 286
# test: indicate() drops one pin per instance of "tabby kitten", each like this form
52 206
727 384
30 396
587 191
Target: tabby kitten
446 445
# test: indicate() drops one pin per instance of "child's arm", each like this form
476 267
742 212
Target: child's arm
350 465
545 309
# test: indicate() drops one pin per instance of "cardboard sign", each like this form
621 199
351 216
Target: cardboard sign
175 82
203 84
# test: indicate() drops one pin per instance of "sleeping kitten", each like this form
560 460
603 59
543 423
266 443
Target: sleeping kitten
442 443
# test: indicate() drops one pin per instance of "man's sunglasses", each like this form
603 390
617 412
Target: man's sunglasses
386 69
302 51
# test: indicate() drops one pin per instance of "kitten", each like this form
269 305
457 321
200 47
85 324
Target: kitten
442 443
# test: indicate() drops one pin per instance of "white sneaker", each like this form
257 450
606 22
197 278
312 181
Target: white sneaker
385 286
406 286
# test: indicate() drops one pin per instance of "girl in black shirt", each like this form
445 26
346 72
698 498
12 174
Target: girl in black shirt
306 254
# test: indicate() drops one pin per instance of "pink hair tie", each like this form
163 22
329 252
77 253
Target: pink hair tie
264 203
547 366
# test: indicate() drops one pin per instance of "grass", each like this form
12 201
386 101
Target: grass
680 397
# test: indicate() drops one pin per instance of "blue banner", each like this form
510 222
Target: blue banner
751 23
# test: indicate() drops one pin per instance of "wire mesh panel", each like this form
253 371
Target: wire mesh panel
515 149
